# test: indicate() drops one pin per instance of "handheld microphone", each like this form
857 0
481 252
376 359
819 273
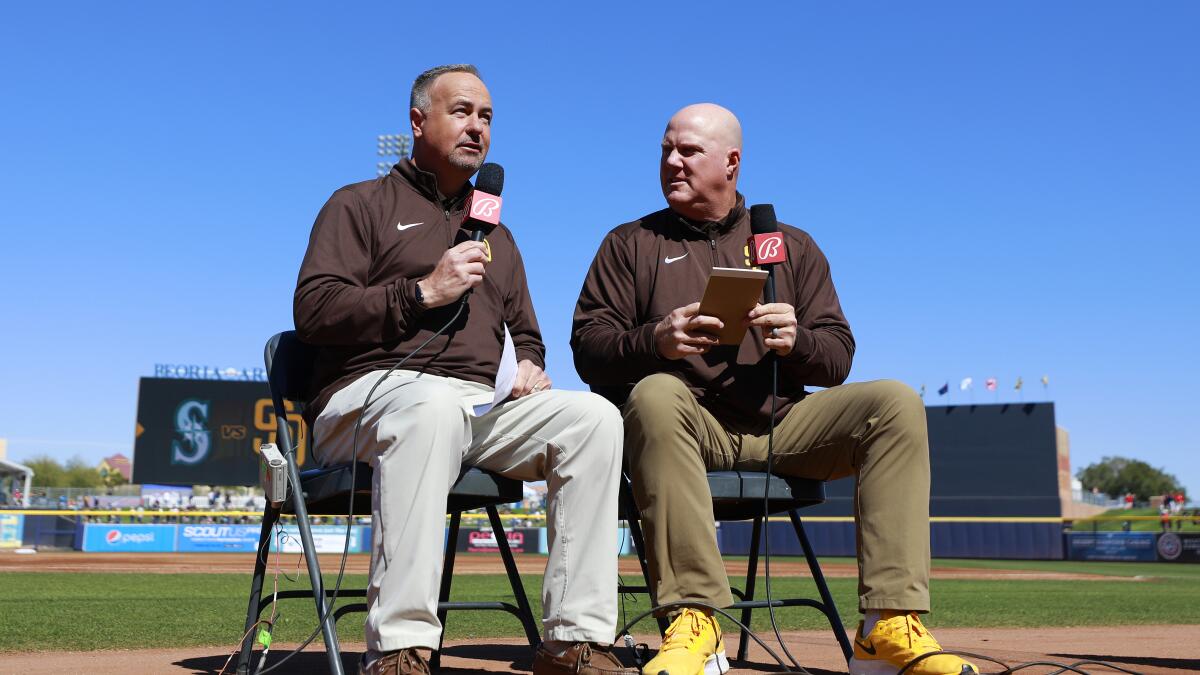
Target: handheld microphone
766 245
484 212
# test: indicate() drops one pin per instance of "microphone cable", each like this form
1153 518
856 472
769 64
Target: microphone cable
367 401
766 529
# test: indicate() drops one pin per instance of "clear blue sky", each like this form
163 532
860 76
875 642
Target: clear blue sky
1004 189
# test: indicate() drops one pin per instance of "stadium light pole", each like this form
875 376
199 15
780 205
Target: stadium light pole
389 146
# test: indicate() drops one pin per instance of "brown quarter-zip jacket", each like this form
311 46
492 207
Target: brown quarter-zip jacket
651 266
356 293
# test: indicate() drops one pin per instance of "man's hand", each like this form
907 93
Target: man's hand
530 379
460 268
777 321
686 331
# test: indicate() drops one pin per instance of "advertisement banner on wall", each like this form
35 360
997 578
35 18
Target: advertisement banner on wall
326 539
128 538
218 538
12 526
520 540
1114 546
1178 547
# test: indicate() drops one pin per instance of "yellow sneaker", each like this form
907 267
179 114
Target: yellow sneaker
692 646
896 640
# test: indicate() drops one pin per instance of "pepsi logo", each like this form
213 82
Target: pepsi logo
113 536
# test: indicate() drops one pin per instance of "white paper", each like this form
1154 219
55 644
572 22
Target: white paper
506 374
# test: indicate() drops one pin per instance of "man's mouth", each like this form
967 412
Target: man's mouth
473 147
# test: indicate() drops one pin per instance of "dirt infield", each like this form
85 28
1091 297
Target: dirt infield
1153 650
243 563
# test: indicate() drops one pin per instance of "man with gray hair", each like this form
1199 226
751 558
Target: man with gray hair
693 405
389 265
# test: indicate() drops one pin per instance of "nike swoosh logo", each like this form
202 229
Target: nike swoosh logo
868 647
671 260
405 227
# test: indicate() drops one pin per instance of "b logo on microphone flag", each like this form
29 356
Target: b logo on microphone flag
486 207
768 248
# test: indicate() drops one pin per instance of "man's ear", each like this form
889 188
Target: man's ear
416 118
733 161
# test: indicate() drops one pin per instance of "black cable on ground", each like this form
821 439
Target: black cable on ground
716 610
1062 667
353 481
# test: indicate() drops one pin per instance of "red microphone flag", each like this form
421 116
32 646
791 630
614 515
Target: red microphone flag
767 249
485 207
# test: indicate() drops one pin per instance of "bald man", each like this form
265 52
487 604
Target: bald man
692 405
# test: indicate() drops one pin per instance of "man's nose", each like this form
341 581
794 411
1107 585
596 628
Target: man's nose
474 125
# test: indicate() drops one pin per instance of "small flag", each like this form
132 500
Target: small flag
965 384
922 391
1045 380
991 384
943 389
1019 383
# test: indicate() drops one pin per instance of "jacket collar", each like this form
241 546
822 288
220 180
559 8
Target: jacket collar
426 184
711 229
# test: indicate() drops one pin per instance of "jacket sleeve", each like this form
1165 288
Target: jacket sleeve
824 347
520 317
334 305
609 345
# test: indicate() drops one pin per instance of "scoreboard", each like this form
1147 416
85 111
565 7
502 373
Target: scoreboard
208 432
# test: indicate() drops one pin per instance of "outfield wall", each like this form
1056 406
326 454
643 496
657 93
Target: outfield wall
205 538
1012 539
999 539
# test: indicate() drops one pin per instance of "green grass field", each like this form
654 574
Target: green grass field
54 611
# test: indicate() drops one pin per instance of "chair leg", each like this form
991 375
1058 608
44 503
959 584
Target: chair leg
270 517
435 661
633 519
829 609
514 578
751 576
328 628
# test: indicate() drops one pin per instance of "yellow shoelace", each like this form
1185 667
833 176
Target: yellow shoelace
692 619
919 639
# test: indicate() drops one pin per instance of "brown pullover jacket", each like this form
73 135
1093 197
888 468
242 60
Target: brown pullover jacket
651 266
356 294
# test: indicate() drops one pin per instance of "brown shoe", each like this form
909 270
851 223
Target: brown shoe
402 662
581 658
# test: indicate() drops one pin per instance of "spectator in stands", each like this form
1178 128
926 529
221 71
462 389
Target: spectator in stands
1164 513
1129 500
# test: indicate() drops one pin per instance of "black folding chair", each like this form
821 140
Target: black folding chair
327 491
738 495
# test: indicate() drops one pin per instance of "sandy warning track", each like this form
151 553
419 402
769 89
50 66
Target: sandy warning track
1153 650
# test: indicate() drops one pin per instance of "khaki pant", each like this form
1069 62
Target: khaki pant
417 435
874 430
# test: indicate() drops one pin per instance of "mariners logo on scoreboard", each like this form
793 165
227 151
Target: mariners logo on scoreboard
193 438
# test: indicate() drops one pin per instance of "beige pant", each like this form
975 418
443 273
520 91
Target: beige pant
417 435
875 430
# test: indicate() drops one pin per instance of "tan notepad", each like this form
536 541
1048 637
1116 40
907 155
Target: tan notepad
730 295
